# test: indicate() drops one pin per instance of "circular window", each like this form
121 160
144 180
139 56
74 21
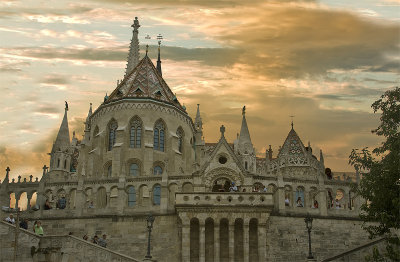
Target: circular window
222 159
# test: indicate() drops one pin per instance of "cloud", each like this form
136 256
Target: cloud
12 67
55 79
294 42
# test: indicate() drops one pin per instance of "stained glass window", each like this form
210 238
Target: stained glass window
136 133
159 136
131 196
157 195
112 135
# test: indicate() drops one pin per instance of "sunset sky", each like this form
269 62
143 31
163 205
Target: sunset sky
324 62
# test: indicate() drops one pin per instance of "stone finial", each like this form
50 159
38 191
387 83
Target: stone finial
66 106
222 130
7 174
147 49
13 180
19 179
37 179
24 179
44 169
30 178
244 110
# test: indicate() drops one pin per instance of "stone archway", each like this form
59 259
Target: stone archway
222 172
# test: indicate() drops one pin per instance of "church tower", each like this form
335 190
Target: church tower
60 155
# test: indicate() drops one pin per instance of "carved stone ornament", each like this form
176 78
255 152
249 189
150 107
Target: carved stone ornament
222 172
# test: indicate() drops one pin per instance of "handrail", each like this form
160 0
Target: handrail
91 244
21 229
47 237
353 250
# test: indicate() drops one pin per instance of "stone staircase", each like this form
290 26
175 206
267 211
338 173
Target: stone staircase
34 248
358 253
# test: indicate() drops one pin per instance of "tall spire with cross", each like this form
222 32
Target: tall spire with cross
159 38
133 57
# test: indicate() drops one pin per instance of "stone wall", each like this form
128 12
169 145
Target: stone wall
26 240
287 237
126 235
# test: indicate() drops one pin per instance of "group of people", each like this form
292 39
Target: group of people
37 225
98 241
299 202
60 204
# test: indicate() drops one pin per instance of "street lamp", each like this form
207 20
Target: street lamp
150 221
308 220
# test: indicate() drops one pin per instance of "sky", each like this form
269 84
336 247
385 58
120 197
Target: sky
323 62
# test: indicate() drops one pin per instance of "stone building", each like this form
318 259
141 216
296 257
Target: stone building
142 153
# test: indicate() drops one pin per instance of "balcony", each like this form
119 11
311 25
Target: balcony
216 199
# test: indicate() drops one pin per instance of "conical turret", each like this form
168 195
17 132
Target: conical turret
60 156
245 146
63 140
133 57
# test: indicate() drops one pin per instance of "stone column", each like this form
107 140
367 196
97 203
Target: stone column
216 241
185 241
246 239
17 197
262 241
231 237
28 204
322 203
202 243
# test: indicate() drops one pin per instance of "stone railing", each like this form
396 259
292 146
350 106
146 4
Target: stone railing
71 248
358 253
32 247
224 199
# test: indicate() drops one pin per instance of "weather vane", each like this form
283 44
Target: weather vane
159 38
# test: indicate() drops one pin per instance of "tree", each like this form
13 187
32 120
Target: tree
380 183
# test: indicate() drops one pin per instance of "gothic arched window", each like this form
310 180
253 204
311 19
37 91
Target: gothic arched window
157 195
131 196
112 134
159 136
135 137
158 170
134 170
179 134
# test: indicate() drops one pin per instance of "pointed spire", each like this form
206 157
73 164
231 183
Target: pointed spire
321 156
245 144
270 153
198 122
159 38
62 139
133 57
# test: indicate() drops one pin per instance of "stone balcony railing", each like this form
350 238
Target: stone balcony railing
224 199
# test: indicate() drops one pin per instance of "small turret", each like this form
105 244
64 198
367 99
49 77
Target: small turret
270 153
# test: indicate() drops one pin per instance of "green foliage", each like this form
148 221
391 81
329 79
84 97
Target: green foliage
380 183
